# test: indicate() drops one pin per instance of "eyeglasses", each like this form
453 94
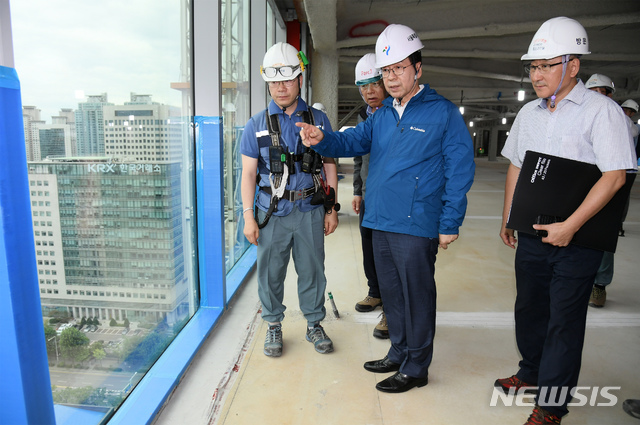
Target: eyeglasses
287 83
285 71
542 69
397 70
374 85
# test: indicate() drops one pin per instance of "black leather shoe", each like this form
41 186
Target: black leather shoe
399 383
381 366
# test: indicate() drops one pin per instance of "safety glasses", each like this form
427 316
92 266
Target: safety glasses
286 71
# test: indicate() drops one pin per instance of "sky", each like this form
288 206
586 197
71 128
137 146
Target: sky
63 48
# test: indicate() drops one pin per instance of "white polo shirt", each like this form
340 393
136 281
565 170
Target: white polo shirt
586 126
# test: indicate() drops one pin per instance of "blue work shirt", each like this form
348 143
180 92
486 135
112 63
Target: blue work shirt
256 141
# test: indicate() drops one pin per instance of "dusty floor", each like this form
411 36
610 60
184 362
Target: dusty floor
474 342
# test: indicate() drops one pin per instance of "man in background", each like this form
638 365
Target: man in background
371 87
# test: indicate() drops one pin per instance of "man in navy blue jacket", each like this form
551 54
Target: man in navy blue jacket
420 169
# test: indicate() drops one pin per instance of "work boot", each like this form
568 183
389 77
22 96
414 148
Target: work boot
539 416
513 384
381 330
321 341
598 296
273 341
368 304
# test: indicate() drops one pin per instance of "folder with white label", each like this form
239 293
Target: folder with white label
550 189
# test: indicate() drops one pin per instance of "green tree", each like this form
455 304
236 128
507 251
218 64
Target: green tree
128 345
86 395
126 323
83 322
71 395
97 344
146 351
113 322
99 354
74 344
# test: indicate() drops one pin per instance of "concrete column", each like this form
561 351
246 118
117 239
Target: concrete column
324 65
258 41
493 144
325 83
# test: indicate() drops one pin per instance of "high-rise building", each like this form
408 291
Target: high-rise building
68 116
143 130
109 238
44 140
53 139
90 125
31 122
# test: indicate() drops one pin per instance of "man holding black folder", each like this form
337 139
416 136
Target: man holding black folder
554 276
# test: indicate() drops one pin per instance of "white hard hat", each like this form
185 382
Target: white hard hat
631 104
282 62
557 37
319 106
396 43
600 80
366 70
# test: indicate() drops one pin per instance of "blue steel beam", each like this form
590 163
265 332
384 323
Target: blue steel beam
25 393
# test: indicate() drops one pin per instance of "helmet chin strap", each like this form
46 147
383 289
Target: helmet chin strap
415 81
565 60
284 108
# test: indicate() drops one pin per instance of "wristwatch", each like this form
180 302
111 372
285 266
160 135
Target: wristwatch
336 207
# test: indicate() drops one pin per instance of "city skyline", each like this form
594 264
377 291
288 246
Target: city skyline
54 63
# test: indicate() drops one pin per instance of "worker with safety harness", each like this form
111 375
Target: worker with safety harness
295 206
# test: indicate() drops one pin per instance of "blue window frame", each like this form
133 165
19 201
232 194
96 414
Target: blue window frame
26 395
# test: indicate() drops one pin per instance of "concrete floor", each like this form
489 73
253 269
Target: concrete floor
231 382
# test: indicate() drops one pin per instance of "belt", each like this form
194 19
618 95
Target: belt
293 195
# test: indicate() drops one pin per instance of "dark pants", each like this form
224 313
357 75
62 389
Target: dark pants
631 177
367 257
553 287
405 266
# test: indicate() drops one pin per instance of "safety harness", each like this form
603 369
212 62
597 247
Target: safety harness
282 165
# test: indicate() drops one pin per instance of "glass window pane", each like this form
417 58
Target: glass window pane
271 26
107 97
235 102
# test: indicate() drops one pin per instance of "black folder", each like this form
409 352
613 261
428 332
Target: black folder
550 189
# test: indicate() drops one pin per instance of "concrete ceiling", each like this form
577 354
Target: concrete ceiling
473 47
